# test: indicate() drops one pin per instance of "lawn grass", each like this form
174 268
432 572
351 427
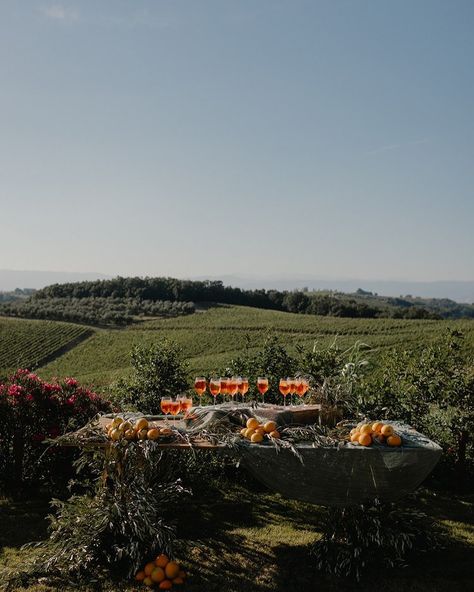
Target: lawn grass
241 538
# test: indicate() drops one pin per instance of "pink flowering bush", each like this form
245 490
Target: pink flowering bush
32 410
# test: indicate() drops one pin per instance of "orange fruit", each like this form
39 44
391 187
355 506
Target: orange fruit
252 423
365 439
270 426
130 434
116 434
165 585
257 437
260 430
243 431
377 426
140 576
172 570
353 431
365 429
178 580
149 567
166 431
153 434
158 575
355 437
379 438
148 581
274 434
162 560
116 422
142 434
386 430
182 574
394 440
249 432
141 424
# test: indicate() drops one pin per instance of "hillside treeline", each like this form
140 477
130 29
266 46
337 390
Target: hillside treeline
175 290
95 310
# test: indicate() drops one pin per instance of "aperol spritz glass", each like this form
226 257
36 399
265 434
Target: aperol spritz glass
262 386
215 388
200 387
284 389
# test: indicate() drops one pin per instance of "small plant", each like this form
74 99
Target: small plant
360 537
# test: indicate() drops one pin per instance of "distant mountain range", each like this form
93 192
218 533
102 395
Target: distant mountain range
460 291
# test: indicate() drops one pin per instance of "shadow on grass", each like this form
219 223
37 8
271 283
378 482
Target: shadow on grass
22 522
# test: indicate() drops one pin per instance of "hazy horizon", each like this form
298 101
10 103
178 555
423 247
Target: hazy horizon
279 139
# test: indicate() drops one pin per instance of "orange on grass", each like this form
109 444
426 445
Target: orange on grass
149 567
178 580
387 430
148 581
141 424
377 426
158 575
394 440
366 428
274 434
365 439
270 426
172 570
165 585
355 437
140 576
162 560
252 423
153 434
257 437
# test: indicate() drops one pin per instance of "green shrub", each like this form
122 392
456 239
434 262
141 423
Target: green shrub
158 370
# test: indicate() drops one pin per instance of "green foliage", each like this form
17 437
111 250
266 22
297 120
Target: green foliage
158 370
358 538
120 522
432 390
95 311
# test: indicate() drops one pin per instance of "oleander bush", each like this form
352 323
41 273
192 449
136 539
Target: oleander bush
33 410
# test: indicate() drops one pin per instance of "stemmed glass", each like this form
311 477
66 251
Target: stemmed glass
185 404
300 387
165 406
243 386
233 387
215 387
174 407
284 389
292 383
200 387
224 387
262 386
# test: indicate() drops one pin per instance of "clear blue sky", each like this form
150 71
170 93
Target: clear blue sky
313 138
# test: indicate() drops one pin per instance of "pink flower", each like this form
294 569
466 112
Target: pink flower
71 400
15 390
72 382
29 398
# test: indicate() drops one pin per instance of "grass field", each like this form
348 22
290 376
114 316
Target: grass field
209 339
243 539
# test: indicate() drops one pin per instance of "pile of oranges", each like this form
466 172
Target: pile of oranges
365 434
256 431
162 573
121 429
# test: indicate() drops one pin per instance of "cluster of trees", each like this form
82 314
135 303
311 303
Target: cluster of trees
94 311
340 305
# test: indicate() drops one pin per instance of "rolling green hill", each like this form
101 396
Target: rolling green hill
33 343
211 338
